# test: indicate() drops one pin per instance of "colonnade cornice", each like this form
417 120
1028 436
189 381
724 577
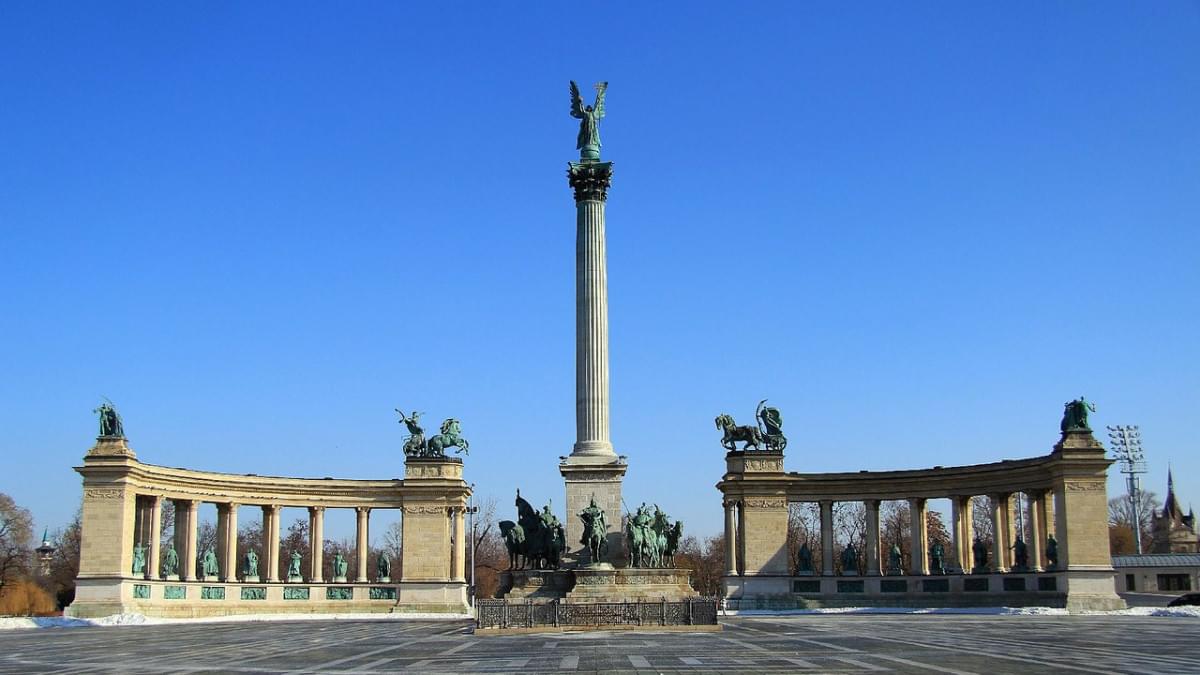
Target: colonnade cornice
997 478
256 490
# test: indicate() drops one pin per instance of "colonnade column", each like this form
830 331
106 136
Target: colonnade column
187 557
730 539
316 543
1000 532
458 571
362 552
741 537
270 555
918 512
227 529
872 537
1036 536
964 532
827 538
1045 499
152 567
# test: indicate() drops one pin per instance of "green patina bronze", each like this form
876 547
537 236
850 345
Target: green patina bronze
254 593
937 558
139 559
768 435
293 572
212 593
295 593
849 561
382 593
383 567
589 116
979 551
174 592
1051 552
537 539
895 565
1020 556
208 564
339 565
170 562
141 591
415 445
652 538
1075 415
595 532
804 561
250 565
339 593
111 425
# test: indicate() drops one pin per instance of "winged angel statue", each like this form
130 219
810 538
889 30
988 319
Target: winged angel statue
588 142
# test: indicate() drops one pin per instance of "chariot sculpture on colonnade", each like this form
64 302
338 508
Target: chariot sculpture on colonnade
768 435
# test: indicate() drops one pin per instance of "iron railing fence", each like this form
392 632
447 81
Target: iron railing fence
530 614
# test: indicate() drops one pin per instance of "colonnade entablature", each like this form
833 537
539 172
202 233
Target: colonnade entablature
122 566
1067 523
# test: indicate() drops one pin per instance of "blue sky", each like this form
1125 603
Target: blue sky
916 229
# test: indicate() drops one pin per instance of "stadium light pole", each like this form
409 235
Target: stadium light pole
1127 445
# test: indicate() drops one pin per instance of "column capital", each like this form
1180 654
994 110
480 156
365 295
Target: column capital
316 509
590 180
361 509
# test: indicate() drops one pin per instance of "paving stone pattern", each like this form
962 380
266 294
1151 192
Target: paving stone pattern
903 644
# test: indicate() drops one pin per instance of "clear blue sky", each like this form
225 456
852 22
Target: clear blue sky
916 229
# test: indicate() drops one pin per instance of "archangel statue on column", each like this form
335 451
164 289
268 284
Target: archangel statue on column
588 142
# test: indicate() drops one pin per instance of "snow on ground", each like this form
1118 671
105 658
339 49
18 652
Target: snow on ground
141 620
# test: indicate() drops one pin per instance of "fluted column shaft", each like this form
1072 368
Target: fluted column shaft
188 558
918 511
152 568
227 540
872 537
316 543
362 533
827 538
1000 544
1037 534
591 331
270 521
730 539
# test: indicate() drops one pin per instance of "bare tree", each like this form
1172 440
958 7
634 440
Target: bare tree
16 531
850 527
706 559
64 566
804 527
981 519
1120 514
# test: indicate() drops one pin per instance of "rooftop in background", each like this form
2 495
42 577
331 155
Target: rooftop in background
1157 560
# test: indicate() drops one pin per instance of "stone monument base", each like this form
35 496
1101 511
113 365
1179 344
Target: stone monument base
598 583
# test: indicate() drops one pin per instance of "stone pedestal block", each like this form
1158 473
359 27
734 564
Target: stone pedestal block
599 477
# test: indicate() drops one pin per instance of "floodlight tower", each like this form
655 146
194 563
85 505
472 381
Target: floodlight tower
1127 445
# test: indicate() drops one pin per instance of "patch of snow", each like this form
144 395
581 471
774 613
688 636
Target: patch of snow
992 611
142 620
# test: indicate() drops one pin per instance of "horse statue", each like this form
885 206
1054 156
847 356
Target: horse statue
514 541
661 529
674 536
451 436
751 436
595 531
643 540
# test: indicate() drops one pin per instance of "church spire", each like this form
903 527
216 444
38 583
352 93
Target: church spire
1171 504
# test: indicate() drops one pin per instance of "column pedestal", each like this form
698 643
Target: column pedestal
600 477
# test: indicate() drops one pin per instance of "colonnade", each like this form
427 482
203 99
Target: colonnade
959 558
149 528
1066 493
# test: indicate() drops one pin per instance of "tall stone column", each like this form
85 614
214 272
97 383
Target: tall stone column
188 557
1037 535
730 539
918 512
361 549
1000 532
827 538
316 543
155 558
227 529
593 469
872 537
964 532
458 572
270 521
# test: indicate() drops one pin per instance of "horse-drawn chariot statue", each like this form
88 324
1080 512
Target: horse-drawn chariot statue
416 445
767 436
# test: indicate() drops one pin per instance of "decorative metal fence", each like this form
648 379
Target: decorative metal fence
528 614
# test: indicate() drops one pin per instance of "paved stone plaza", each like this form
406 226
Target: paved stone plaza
825 644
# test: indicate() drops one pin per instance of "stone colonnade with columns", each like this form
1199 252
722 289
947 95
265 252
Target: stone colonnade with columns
1068 483
122 507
